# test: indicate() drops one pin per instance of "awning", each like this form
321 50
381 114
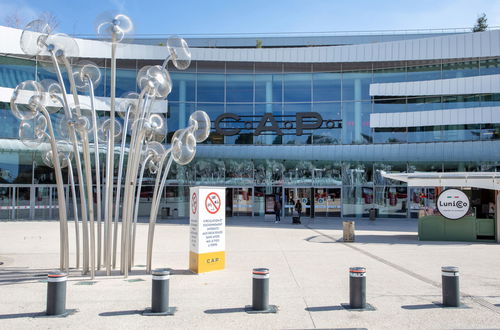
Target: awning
484 180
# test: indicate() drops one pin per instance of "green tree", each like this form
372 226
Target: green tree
481 23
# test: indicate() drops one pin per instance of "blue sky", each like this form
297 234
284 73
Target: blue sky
260 16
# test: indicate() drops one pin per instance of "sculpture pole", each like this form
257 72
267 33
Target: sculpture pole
72 135
71 180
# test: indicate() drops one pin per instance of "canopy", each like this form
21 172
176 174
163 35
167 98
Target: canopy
484 180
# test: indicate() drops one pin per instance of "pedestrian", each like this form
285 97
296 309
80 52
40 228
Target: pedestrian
277 210
298 208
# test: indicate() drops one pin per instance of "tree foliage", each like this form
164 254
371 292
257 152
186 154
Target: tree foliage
18 21
481 23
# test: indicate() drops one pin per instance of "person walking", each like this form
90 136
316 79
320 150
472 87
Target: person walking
277 210
298 208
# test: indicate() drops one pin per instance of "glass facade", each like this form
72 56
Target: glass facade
290 104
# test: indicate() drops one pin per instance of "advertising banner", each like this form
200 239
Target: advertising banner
207 229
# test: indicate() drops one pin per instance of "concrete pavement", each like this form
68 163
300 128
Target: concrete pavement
309 279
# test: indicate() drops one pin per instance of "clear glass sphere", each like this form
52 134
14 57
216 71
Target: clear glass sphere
54 92
32 131
33 37
156 127
155 149
83 122
200 123
156 80
26 99
62 126
128 102
85 70
183 146
103 130
179 51
64 152
111 22
62 45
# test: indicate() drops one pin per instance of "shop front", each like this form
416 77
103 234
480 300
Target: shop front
454 206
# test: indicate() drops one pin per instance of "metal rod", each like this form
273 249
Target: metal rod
120 171
154 213
131 177
88 167
97 171
63 221
136 210
72 136
71 180
111 145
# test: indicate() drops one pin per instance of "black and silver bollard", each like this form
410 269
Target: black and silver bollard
56 293
451 287
357 287
260 292
160 293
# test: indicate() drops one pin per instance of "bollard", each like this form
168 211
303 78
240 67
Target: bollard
260 289
357 287
160 293
56 293
260 292
451 288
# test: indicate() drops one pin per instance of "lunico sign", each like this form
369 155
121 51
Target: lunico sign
269 124
453 204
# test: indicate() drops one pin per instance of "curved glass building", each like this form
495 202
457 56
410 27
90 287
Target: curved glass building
314 119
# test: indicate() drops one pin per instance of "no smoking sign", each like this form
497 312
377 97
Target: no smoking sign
212 203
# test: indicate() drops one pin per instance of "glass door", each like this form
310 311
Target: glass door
327 202
23 202
6 208
294 194
43 203
265 198
242 202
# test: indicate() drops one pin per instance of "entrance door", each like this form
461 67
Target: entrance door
43 203
22 203
327 202
264 199
291 197
242 201
6 200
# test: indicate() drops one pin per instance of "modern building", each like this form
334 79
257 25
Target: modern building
315 118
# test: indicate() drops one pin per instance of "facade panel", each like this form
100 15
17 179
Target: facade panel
310 121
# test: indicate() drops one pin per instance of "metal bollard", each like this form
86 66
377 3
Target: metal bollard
160 293
56 293
451 287
260 289
260 292
357 287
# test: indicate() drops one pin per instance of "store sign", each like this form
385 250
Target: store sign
207 229
268 123
453 204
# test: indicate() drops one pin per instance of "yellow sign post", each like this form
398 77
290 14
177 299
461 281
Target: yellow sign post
207 229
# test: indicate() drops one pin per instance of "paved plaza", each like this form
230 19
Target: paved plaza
309 279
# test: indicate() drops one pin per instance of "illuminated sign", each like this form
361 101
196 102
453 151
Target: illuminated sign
230 124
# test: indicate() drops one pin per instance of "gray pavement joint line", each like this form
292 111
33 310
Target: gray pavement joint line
294 278
478 300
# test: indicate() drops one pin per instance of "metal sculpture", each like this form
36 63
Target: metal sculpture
79 130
